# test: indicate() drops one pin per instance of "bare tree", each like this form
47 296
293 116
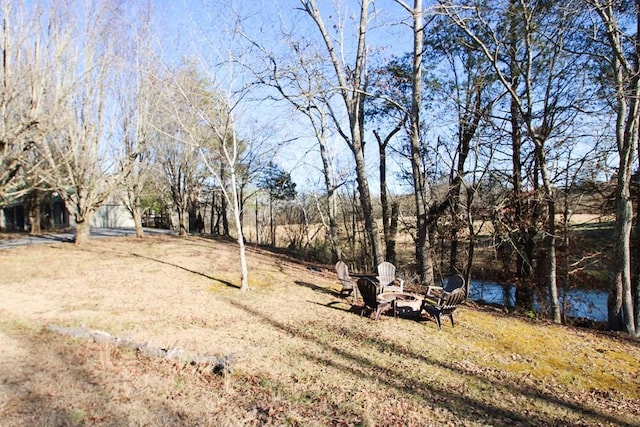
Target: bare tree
133 92
220 122
623 81
214 104
25 80
177 131
420 185
548 96
389 209
79 152
303 85
351 86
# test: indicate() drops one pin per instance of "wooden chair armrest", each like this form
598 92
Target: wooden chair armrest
430 300
435 291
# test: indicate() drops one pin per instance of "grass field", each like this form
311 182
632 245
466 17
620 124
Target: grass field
299 354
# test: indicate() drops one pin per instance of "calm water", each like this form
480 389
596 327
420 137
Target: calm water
586 304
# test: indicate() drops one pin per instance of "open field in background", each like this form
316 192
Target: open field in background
300 355
589 234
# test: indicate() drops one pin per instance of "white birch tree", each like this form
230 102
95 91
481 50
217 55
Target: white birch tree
216 141
216 103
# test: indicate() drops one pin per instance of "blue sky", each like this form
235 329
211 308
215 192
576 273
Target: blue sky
203 28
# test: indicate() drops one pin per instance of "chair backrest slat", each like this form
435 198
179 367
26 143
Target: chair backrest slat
453 299
454 282
342 270
386 273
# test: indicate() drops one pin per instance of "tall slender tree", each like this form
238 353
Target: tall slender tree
619 56
420 187
351 85
133 93
302 83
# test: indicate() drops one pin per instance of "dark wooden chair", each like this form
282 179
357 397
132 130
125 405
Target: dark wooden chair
372 300
444 305
453 282
345 280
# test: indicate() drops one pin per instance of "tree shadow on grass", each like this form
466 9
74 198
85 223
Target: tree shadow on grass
317 288
353 308
461 368
224 282
137 255
468 408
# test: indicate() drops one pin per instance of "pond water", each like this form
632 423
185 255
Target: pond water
586 304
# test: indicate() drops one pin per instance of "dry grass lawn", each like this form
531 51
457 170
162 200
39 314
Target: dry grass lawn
301 355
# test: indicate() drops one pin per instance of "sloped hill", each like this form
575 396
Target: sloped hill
299 355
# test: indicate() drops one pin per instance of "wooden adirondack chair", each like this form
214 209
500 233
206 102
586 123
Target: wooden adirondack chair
453 282
387 276
372 301
345 280
445 305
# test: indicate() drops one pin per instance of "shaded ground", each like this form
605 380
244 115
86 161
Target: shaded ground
301 355
12 240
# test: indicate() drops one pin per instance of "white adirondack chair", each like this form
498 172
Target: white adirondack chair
346 281
387 276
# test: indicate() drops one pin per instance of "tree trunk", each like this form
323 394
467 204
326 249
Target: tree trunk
212 221
552 262
272 228
137 220
370 225
472 241
33 207
224 207
550 236
423 243
183 221
83 229
329 185
244 269
353 92
136 211
636 285
383 193
390 254
192 214
393 233
620 301
336 250
78 206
